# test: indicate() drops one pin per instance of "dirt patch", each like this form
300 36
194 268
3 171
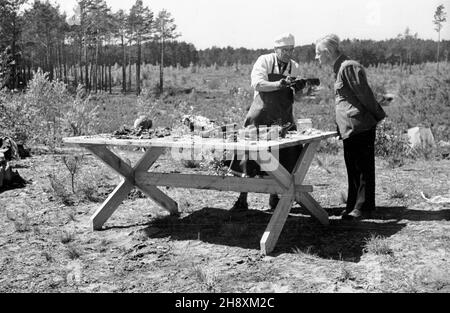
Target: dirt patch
47 246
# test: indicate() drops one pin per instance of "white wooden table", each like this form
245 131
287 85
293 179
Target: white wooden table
289 186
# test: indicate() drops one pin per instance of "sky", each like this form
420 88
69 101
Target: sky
254 24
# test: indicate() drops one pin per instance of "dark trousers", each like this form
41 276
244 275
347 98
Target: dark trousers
359 155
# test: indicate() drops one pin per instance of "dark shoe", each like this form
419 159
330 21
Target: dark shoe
240 206
344 214
357 215
273 201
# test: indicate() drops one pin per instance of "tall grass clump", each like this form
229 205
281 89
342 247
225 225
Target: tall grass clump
81 116
425 102
43 108
391 143
13 122
46 112
377 245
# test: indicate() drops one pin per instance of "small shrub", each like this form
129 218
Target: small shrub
104 245
48 257
205 277
59 190
13 122
397 194
71 215
43 105
307 253
391 143
81 117
191 163
22 223
67 237
345 274
73 252
377 245
88 192
73 164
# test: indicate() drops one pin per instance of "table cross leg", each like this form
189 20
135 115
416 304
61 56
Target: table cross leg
289 181
300 171
284 178
128 183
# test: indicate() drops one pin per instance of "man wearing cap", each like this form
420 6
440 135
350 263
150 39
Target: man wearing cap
273 105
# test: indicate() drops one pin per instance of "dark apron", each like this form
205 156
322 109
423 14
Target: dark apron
271 108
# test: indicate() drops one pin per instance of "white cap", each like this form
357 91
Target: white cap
285 39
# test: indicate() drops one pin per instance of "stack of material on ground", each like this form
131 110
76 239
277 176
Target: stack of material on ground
9 178
421 138
444 148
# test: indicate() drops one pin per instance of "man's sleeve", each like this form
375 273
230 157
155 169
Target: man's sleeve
259 72
357 81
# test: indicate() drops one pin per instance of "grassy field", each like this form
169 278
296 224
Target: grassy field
46 244
224 94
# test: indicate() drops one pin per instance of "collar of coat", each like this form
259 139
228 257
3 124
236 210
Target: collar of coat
338 63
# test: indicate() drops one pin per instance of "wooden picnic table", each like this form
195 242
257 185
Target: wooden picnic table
289 186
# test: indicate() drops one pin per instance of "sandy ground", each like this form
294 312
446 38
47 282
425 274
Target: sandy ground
48 246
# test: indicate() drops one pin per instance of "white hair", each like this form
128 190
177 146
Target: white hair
330 43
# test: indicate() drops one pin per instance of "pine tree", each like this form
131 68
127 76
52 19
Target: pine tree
165 30
10 28
140 27
439 18
120 19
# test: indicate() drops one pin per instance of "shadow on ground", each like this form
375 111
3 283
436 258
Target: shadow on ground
342 240
402 213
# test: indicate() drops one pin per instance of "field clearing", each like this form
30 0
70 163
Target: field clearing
47 246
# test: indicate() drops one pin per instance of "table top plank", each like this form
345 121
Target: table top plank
197 142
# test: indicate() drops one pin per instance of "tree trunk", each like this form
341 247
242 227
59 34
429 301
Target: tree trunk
161 68
438 47
129 72
65 66
81 62
14 82
86 68
102 79
124 67
81 74
60 62
91 73
110 80
51 66
29 74
75 74
138 68
105 80
96 67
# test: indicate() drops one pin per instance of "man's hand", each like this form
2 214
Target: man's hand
287 82
283 83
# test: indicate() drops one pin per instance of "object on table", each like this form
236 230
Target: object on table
143 122
304 124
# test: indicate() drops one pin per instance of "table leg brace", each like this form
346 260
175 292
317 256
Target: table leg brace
128 183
